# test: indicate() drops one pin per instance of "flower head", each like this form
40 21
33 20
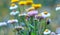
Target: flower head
53 33
13 6
57 8
17 28
22 3
32 13
47 31
14 13
29 2
14 1
3 23
45 14
39 16
12 21
36 6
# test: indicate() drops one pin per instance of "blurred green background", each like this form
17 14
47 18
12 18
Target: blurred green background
46 5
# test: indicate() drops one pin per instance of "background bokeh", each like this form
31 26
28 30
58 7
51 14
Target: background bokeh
48 5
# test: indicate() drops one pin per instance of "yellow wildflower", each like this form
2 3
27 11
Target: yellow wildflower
22 3
29 2
36 6
13 1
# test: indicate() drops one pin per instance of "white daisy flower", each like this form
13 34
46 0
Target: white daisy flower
12 21
45 14
3 23
47 32
19 28
14 13
13 7
24 14
57 8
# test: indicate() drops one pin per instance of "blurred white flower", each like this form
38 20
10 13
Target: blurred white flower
58 30
19 28
24 14
45 14
57 8
13 7
47 31
14 13
12 21
53 33
3 23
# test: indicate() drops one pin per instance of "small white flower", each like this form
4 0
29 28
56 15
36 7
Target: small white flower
57 8
3 23
53 33
13 7
45 15
12 21
14 13
19 28
47 31
24 14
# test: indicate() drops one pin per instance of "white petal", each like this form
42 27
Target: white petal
57 8
14 13
45 16
58 34
3 23
15 7
10 21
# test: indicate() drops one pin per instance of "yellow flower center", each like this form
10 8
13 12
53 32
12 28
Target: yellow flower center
45 12
46 30
13 5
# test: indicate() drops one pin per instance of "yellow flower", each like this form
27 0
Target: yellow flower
36 6
30 9
29 2
12 4
13 1
22 3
